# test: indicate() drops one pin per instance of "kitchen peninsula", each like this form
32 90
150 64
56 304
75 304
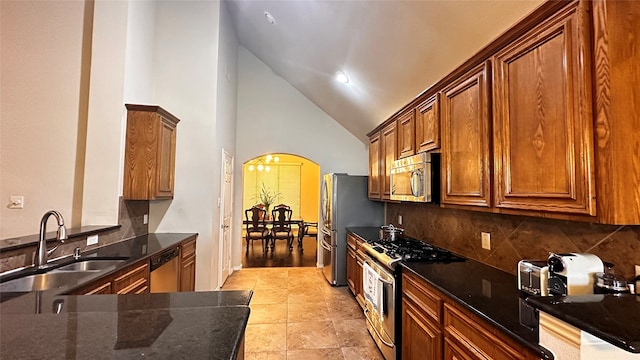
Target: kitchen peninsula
179 325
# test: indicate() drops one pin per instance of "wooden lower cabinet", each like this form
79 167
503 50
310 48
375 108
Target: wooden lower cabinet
355 260
102 289
435 326
134 280
421 338
188 266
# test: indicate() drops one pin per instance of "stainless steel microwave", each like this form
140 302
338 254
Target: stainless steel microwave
416 178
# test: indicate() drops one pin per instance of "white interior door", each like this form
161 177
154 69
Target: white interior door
227 206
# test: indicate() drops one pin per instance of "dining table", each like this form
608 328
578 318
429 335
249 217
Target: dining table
269 222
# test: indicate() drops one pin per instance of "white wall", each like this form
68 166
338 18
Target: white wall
40 73
106 114
185 69
274 117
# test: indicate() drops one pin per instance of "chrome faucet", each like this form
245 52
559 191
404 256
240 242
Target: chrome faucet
41 251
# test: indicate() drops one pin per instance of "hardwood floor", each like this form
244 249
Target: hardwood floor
281 256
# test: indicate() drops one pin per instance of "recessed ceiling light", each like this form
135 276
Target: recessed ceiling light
342 77
270 19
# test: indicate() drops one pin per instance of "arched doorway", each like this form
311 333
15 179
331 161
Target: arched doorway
279 178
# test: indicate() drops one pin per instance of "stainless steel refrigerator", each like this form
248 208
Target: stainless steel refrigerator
344 203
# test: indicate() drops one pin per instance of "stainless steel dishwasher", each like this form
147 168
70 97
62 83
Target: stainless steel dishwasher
164 271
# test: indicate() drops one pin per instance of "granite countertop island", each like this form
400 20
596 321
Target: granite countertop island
182 325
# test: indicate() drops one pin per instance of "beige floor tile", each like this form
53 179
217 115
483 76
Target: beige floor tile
304 297
265 337
268 314
362 353
353 333
344 309
270 355
239 284
296 314
312 311
269 296
315 354
311 335
276 282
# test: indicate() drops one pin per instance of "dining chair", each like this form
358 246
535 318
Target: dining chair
256 226
308 229
281 225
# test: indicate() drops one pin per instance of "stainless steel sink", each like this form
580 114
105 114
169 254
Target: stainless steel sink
88 265
59 277
46 281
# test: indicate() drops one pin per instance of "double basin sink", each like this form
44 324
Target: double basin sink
54 277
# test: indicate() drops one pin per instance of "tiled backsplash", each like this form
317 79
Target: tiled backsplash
131 224
517 237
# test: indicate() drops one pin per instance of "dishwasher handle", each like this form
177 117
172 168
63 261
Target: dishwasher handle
163 258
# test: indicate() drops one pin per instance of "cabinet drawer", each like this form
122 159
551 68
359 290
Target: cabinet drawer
423 296
188 249
352 242
485 341
100 289
133 280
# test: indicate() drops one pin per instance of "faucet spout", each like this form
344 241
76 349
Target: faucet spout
41 251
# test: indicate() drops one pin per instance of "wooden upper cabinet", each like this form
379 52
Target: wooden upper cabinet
543 132
389 154
466 155
150 153
406 134
617 110
375 184
428 124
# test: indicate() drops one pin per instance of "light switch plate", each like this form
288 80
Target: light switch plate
92 240
145 219
399 219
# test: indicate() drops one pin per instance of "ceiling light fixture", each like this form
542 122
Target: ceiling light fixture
270 19
262 163
342 77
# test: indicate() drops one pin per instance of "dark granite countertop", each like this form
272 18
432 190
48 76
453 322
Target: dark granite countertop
487 292
191 325
133 250
187 325
612 318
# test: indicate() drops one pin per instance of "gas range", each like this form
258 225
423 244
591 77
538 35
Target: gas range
407 249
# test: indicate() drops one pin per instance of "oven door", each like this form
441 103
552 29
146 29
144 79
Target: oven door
382 328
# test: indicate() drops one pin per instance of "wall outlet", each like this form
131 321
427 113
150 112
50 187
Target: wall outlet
16 202
637 270
92 240
145 219
399 219
486 240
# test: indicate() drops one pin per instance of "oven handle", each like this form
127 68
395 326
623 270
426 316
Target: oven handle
366 315
374 266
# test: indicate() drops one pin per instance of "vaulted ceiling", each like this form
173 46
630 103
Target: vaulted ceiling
391 50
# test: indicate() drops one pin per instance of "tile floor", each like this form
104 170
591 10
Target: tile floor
296 314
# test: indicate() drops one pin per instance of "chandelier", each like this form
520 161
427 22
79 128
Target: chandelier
262 163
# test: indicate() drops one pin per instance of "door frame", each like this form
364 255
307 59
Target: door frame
221 230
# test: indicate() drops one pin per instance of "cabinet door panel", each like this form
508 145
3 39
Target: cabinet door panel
167 155
428 124
465 142
389 155
406 134
421 339
374 167
543 131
